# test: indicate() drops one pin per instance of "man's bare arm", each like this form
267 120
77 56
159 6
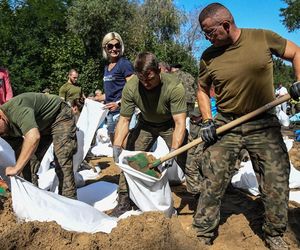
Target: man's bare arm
179 131
29 146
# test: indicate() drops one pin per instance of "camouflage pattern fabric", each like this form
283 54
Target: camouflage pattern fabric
63 131
63 135
263 140
143 137
190 87
194 155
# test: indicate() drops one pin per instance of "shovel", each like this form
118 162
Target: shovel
223 128
155 163
142 163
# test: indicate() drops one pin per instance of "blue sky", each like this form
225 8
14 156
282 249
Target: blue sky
249 14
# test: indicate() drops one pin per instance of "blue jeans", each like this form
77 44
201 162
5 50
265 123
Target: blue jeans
111 121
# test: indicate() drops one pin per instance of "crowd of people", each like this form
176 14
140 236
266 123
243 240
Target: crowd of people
164 96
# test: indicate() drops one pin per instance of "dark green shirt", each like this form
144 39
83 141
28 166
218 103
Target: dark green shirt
31 110
156 105
69 92
242 73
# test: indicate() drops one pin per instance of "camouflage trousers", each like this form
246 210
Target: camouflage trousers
262 138
143 137
63 135
193 162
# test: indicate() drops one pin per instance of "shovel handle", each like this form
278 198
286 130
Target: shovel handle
225 127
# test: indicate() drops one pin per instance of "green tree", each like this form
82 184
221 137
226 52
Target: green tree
290 14
283 73
34 22
92 19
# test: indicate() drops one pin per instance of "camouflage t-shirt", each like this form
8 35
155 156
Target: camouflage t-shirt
242 73
156 105
31 110
189 84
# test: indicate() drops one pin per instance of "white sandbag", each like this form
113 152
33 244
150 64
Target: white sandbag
101 195
147 192
49 181
103 145
294 180
295 196
7 158
102 135
175 174
103 149
31 203
245 178
47 159
282 117
92 114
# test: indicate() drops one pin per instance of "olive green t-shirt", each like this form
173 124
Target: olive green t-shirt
242 73
31 110
69 92
156 105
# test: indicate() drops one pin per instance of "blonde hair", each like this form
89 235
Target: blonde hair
107 38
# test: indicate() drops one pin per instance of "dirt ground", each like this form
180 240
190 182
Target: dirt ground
240 227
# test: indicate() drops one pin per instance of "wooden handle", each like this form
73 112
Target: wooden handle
228 126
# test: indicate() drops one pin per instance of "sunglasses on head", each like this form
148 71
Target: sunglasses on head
111 46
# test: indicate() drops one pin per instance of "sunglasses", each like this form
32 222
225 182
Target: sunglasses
211 33
110 46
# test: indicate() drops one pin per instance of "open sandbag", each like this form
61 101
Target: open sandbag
7 158
175 174
31 203
147 192
93 114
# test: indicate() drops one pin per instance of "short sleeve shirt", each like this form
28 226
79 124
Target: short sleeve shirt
114 80
69 92
31 110
156 105
242 73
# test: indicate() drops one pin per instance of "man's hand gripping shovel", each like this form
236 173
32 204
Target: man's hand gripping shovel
148 164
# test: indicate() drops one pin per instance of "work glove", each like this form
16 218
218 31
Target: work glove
208 132
295 91
117 150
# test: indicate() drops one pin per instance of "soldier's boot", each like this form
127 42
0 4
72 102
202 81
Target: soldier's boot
276 243
124 205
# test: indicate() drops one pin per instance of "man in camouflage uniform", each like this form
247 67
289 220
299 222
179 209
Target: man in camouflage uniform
161 99
242 84
192 164
30 122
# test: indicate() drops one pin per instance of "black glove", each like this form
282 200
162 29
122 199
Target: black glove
117 150
208 132
295 90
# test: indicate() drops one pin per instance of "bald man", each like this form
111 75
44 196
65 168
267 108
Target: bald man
239 65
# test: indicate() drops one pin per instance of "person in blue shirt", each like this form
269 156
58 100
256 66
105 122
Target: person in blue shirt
116 73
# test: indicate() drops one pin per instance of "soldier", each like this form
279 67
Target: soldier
70 90
160 98
29 122
242 83
189 84
193 178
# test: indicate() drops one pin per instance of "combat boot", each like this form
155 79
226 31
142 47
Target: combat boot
124 205
276 243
